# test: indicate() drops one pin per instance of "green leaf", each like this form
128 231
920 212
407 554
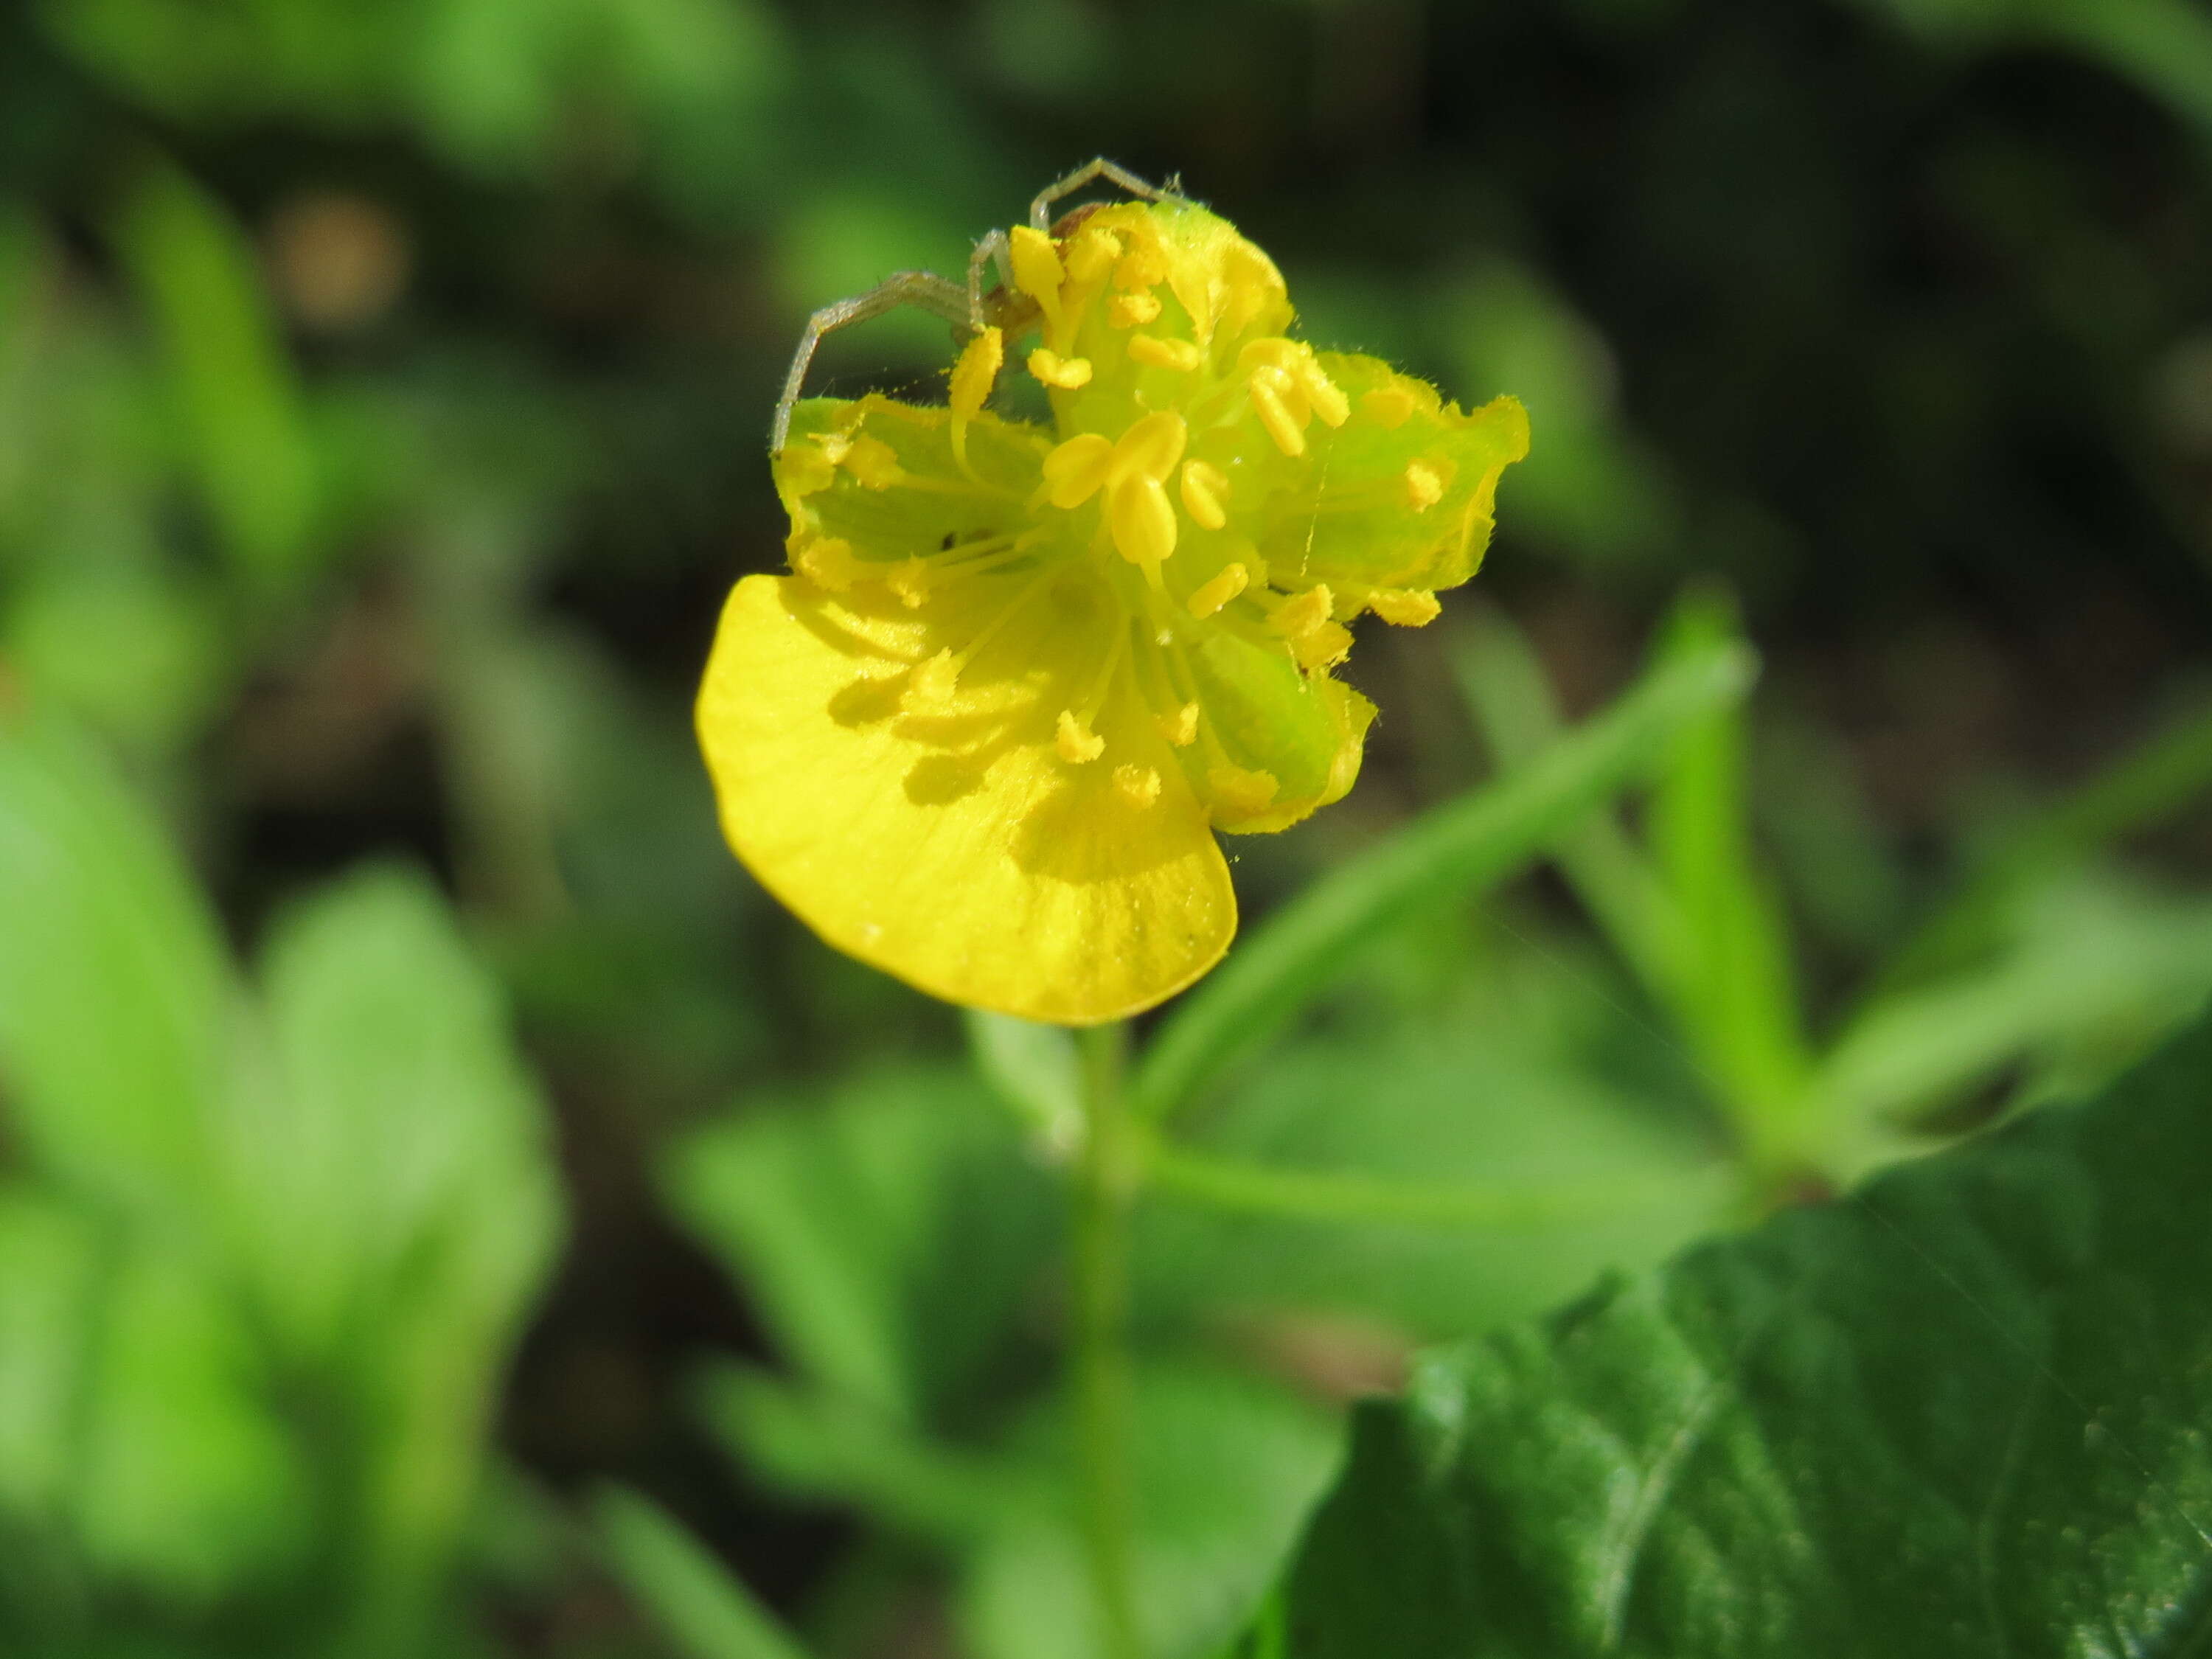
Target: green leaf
1736 993
887 1233
1959 1415
230 377
1224 1468
1464 845
705 1611
116 996
397 1200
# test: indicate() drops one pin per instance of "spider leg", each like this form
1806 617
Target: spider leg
992 248
1096 167
922 290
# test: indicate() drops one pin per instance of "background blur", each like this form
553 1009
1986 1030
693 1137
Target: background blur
446 1209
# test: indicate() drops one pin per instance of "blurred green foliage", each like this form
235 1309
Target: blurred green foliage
382 391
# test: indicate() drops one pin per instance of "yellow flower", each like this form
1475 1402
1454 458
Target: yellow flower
983 734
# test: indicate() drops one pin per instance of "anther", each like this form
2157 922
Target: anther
1404 607
1241 792
1268 386
975 373
1092 253
827 562
1304 614
1140 268
1138 785
1211 595
874 462
1156 353
1066 373
1424 486
1038 271
1204 491
1077 744
1132 310
1180 728
910 580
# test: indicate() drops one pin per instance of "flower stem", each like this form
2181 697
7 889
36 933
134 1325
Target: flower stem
1100 1267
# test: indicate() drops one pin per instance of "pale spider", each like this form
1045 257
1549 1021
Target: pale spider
970 309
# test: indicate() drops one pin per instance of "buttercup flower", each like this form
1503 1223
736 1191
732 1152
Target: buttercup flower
983 734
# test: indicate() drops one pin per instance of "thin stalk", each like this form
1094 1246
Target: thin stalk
1101 1296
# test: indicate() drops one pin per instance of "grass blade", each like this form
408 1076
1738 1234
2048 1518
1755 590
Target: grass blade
703 1610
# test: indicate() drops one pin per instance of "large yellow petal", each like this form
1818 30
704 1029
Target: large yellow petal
960 852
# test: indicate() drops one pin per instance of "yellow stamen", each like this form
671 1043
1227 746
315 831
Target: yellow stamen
974 374
1078 469
1077 743
1180 729
1140 268
874 462
1132 310
1243 792
1304 614
1055 370
1321 648
1269 403
1139 784
827 562
910 580
1094 250
1424 487
1038 271
1405 607
1151 446
1156 353
1204 489
937 677
1210 595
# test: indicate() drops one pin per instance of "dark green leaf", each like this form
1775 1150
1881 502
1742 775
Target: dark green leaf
1958 1415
